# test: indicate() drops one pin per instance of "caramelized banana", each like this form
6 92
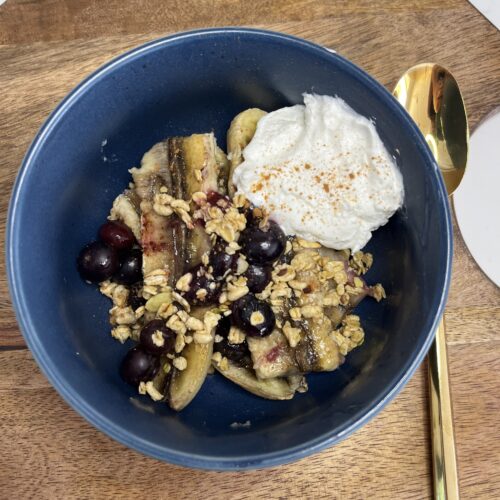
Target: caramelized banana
203 167
240 133
159 234
185 384
272 388
126 209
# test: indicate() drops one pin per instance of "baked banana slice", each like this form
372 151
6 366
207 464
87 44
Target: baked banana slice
127 210
240 133
203 166
161 246
185 384
273 388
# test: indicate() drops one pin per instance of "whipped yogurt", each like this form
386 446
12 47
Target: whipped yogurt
322 172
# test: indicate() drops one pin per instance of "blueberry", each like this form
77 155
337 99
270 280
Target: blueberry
130 270
238 353
156 338
263 245
255 317
139 366
203 288
97 262
257 277
221 262
117 235
223 326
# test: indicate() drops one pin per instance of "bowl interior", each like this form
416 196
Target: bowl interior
79 163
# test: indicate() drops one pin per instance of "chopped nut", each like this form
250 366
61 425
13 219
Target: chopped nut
202 337
224 364
295 313
181 300
304 261
165 205
218 338
217 357
149 291
283 273
201 293
205 259
194 323
292 334
345 299
210 319
266 293
185 217
226 224
198 176
241 265
223 298
378 292
239 200
107 288
215 212
176 324
164 210
199 198
121 333
297 285
150 389
180 363
310 311
340 277
120 296
236 290
331 298
122 315
158 277
180 342
308 244
188 339
276 305
158 339
183 282
257 318
361 262
183 315
340 289
232 248
349 335
182 204
139 312
280 290
236 336
358 283
166 310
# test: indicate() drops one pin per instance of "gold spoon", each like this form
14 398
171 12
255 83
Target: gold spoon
432 97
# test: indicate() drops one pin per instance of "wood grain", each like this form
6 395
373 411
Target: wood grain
48 451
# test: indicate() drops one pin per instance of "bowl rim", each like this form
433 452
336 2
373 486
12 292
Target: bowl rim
29 331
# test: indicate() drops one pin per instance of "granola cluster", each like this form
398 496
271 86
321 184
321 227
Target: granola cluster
308 284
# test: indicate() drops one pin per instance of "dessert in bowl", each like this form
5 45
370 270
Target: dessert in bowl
196 83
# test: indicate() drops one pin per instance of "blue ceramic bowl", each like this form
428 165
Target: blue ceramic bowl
78 163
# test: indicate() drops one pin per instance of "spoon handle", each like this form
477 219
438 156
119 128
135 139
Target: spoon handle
444 461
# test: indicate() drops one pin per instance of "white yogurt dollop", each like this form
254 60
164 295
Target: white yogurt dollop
322 172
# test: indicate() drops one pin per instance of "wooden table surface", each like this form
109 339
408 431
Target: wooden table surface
48 451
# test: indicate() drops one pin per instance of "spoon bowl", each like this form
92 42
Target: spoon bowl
431 95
